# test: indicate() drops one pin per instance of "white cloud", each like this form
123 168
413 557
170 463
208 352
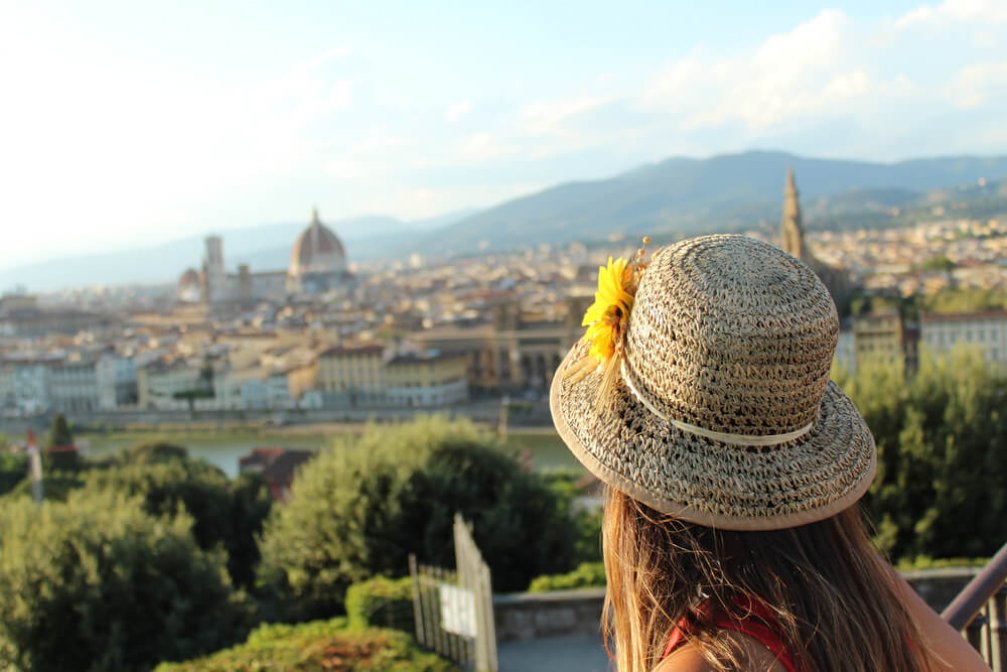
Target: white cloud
952 11
805 72
545 117
975 83
457 110
483 146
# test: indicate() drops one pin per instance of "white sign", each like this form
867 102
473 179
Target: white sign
458 610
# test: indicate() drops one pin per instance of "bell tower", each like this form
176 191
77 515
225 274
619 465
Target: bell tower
791 226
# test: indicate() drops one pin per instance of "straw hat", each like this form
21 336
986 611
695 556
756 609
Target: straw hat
722 412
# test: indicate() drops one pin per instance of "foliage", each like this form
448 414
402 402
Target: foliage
60 436
56 486
587 575
359 509
229 514
925 562
152 452
319 646
963 300
585 522
381 602
97 584
865 304
941 486
59 432
13 470
938 262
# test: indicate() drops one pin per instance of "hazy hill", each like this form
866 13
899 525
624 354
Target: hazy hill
675 196
699 195
264 248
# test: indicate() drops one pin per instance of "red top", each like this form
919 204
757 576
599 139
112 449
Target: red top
760 624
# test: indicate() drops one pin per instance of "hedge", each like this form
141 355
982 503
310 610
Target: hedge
318 646
587 575
382 603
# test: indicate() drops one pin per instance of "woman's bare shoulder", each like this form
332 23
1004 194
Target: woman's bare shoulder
755 658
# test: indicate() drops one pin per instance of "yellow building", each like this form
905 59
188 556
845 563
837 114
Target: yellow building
301 379
512 353
352 375
880 337
427 380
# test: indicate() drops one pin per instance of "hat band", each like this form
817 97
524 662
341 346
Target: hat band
722 437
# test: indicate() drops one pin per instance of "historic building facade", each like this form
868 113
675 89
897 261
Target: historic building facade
317 264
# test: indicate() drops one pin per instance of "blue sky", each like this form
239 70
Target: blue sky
126 123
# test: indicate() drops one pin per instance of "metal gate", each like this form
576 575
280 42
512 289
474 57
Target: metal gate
454 609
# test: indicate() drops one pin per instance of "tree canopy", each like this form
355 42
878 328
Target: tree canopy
225 513
97 584
360 508
941 487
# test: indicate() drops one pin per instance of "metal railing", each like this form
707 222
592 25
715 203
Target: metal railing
980 611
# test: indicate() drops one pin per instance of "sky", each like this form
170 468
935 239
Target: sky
128 123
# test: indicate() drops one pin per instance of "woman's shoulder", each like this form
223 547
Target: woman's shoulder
754 657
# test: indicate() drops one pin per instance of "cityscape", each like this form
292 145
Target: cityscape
334 336
320 341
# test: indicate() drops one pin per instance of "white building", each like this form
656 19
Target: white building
251 389
985 331
266 392
116 380
24 386
73 385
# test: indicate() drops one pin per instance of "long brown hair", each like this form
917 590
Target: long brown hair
829 589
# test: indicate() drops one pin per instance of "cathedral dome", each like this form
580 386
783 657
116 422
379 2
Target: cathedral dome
189 279
317 251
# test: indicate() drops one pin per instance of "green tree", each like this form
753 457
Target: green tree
13 470
97 584
941 487
359 509
585 522
60 438
939 263
152 452
225 513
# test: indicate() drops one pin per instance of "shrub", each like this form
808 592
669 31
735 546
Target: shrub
587 575
359 509
320 646
60 436
13 470
97 584
152 452
586 523
225 513
941 486
381 602
56 487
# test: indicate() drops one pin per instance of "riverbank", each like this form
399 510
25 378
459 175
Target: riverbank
223 444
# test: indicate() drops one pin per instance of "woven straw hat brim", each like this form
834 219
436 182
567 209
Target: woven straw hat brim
714 484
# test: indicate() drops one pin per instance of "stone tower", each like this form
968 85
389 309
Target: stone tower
791 226
793 241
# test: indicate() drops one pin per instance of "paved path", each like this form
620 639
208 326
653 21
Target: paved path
571 653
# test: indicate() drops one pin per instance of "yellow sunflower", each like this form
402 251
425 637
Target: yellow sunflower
606 318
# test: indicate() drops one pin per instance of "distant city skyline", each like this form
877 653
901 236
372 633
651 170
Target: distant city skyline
127 124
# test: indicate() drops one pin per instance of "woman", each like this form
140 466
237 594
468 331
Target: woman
732 537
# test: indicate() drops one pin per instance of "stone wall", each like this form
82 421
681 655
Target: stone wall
567 612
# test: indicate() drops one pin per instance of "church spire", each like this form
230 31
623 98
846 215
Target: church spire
791 226
315 221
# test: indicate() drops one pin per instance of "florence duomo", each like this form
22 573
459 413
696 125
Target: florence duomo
317 264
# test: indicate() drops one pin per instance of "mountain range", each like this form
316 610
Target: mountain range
666 199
